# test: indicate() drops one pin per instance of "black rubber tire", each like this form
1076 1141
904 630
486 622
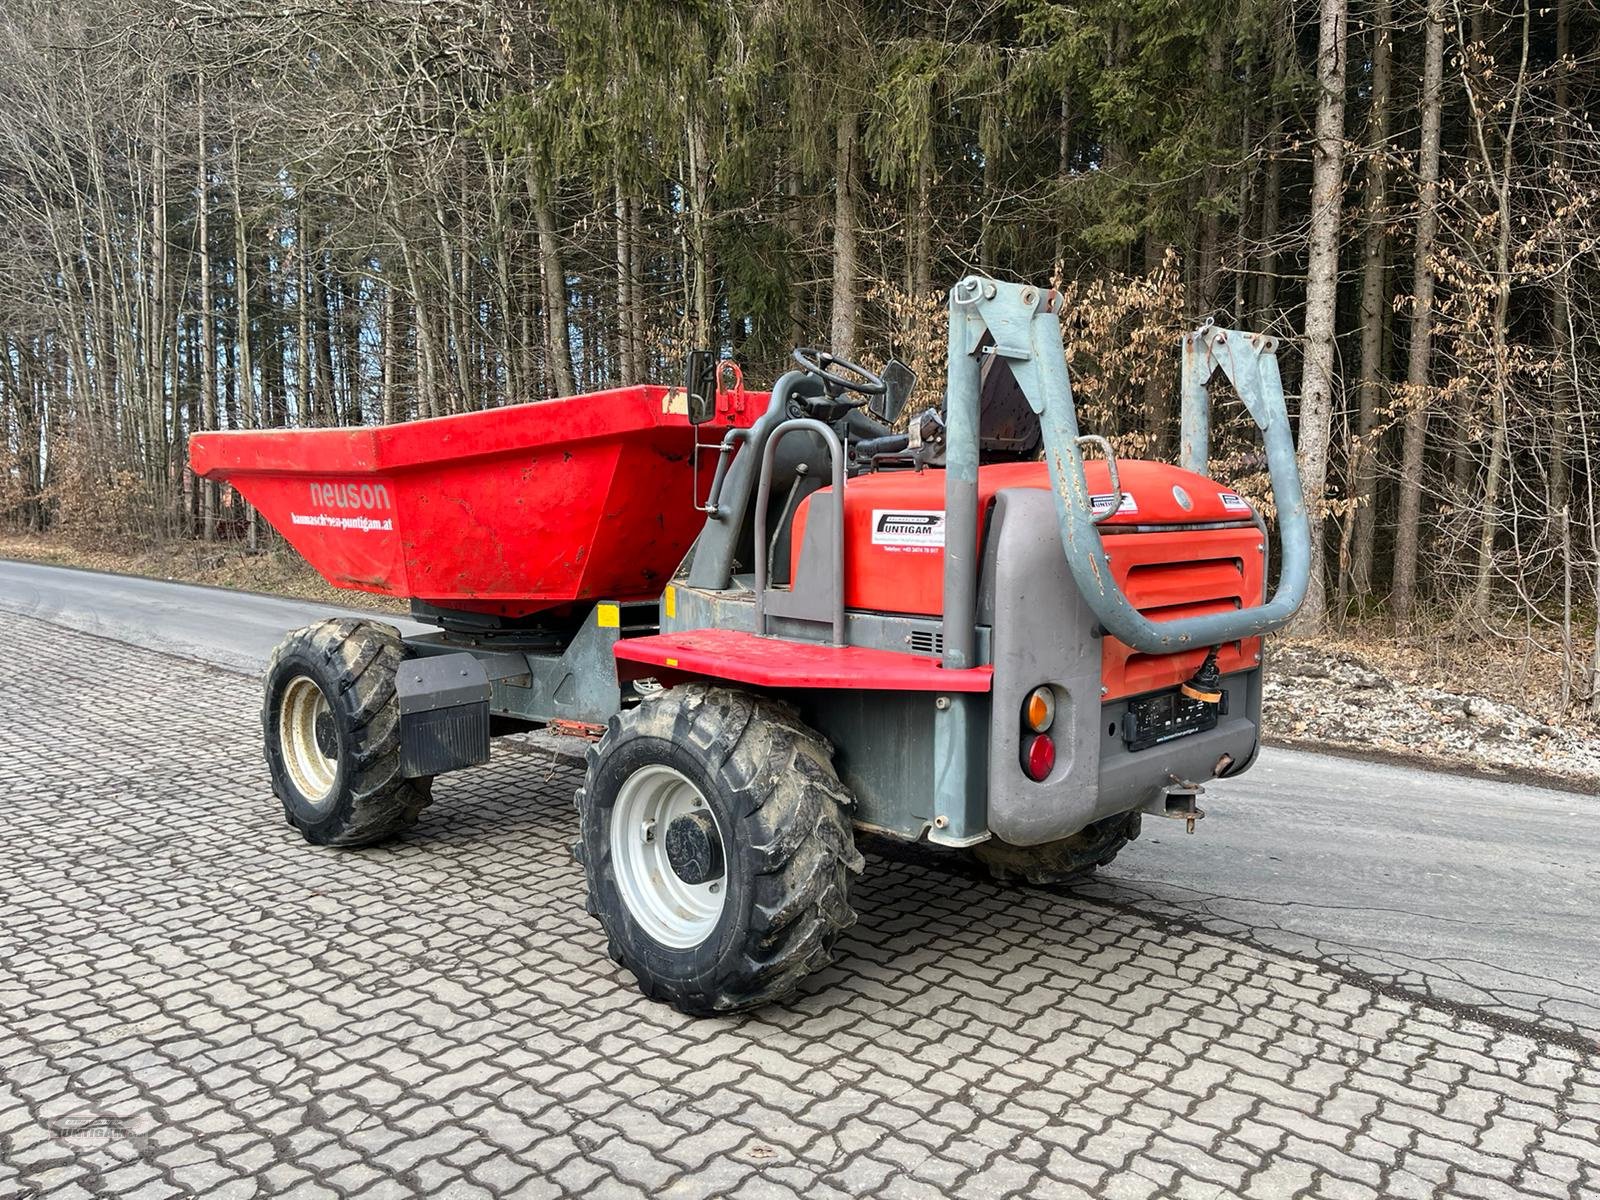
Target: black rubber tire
1062 863
354 662
788 845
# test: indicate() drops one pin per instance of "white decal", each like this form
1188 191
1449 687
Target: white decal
329 521
350 495
1102 503
913 530
1232 502
358 496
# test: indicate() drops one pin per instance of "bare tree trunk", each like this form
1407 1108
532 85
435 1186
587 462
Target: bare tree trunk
510 349
626 350
1483 582
1561 389
455 328
208 327
1063 176
1266 297
241 284
1206 296
387 339
638 312
1594 666
1374 306
428 353
1157 406
845 303
1244 192
922 232
702 317
302 343
798 293
322 340
1322 284
554 279
989 139
158 336
1407 542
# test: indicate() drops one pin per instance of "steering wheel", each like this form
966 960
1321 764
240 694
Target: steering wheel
817 362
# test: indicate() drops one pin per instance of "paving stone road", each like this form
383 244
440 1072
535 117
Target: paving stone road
195 1002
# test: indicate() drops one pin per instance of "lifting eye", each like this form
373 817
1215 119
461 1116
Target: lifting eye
1039 710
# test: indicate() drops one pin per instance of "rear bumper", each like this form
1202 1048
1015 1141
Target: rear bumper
1107 777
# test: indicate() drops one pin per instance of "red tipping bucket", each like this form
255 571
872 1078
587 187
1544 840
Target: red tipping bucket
510 511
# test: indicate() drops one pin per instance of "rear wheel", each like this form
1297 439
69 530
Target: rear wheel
716 839
331 726
1063 862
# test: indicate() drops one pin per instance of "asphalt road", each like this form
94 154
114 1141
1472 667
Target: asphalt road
1460 891
236 630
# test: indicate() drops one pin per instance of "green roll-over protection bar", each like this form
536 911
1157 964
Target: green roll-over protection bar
1026 332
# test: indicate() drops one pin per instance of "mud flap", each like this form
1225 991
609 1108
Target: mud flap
444 714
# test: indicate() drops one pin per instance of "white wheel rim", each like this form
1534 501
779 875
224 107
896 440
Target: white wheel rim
677 914
310 770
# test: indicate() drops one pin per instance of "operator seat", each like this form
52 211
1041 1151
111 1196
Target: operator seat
1008 430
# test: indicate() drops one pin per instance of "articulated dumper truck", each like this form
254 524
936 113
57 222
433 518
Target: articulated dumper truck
790 617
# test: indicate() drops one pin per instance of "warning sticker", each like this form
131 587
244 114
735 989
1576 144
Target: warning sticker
915 530
1232 502
1102 504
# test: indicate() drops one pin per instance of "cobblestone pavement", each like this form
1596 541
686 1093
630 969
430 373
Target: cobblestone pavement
194 1001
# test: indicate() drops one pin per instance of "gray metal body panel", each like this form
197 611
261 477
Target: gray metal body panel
1044 633
908 761
882 743
1140 779
734 608
1049 635
575 683
952 772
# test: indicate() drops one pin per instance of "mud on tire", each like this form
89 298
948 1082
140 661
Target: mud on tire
352 663
787 844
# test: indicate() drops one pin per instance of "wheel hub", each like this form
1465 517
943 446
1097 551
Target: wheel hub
667 855
309 740
694 848
327 733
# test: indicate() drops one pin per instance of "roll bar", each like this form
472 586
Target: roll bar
1026 330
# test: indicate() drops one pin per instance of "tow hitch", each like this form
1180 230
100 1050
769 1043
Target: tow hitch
1179 804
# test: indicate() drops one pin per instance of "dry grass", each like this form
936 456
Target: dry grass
278 571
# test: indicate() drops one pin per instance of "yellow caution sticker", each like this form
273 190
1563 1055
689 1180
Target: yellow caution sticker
672 662
669 602
608 616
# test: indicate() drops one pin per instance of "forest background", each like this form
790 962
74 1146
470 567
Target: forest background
246 213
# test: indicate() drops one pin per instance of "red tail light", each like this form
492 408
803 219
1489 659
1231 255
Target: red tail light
1040 758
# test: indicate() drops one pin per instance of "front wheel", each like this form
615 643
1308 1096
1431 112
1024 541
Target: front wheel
716 839
331 726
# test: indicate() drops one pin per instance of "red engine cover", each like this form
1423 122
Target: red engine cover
894 552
